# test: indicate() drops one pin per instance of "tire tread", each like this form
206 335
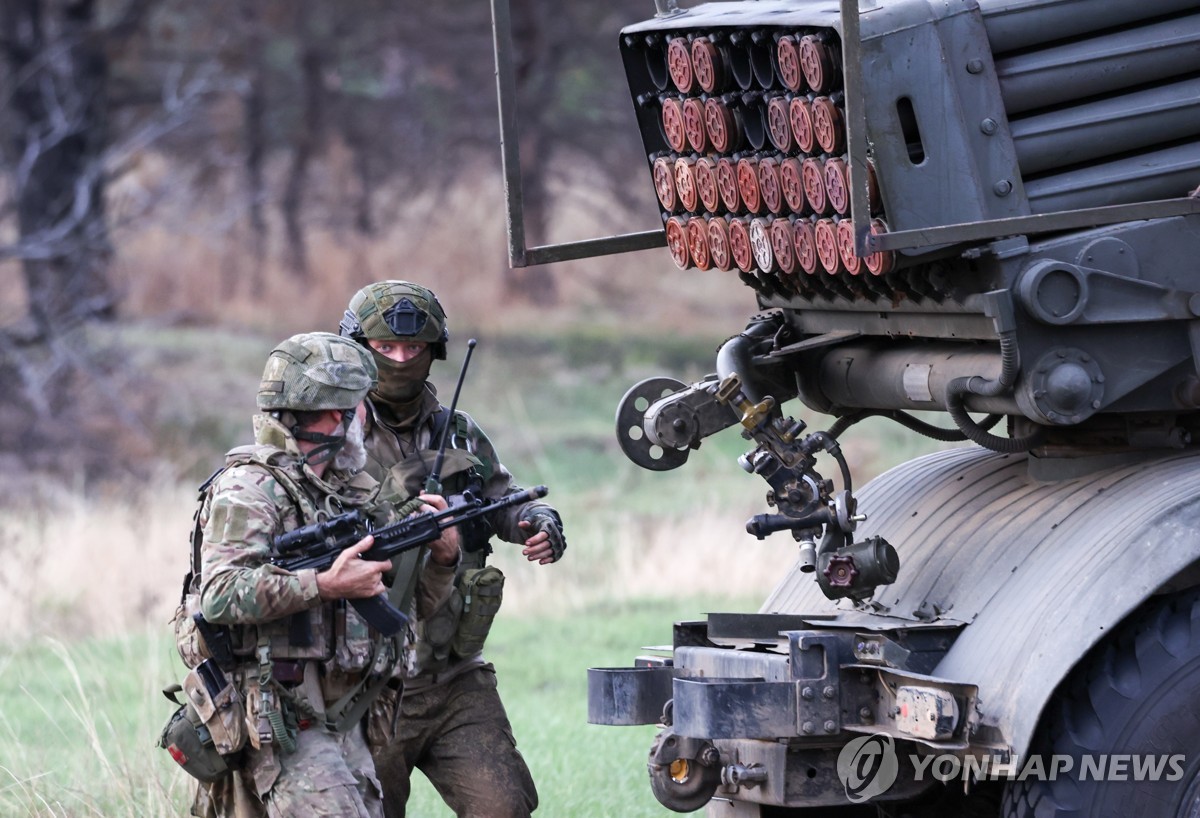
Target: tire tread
1162 636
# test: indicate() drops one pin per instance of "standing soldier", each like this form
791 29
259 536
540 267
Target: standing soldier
451 723
306 665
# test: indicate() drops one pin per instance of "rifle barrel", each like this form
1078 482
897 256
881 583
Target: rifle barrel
395 533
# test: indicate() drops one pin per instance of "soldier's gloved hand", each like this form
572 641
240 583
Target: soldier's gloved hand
547 542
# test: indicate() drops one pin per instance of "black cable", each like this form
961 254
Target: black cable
911 423
959 388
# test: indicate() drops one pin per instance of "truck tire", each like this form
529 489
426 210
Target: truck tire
1136 693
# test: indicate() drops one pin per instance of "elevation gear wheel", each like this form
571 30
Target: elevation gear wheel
631 431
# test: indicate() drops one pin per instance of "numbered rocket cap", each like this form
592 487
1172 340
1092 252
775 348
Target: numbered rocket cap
397 311
314 371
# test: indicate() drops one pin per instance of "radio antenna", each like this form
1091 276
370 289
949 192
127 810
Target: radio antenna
433 483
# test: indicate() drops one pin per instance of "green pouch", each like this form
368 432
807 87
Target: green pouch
205 735
482 592
436 633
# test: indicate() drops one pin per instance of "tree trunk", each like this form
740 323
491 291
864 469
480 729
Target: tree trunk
254 108
58 70
307 142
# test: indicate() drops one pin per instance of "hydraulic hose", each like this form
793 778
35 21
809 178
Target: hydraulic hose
909 422
736 357
828 443
959 388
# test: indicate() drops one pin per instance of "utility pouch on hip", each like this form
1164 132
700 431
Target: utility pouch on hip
206 734
482 591
188 641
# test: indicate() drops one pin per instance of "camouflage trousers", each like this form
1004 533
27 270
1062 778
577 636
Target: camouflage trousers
329 775
459 736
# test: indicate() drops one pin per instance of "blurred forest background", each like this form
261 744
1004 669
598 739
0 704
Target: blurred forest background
184 184
247 164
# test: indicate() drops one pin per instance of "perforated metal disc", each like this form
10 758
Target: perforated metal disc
631 433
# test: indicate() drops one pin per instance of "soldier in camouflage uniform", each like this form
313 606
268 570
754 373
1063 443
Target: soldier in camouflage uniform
304 653
451 725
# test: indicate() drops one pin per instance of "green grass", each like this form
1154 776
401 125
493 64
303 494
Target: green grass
580 769
77 725
79 721
79 717
548 403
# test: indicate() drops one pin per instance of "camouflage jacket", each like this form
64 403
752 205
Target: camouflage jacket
389 445
264 491
249 505
401 457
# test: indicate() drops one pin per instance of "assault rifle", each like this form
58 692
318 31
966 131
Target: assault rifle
317 546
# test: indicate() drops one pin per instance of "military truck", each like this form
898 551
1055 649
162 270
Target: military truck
979 208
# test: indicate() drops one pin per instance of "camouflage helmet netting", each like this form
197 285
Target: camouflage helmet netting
397 311
316 370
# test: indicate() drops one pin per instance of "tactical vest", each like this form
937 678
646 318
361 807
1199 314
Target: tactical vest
330 632
461 471
447 634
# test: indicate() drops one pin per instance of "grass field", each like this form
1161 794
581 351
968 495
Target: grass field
91 572
80 719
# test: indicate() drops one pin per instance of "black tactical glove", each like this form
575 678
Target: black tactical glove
547 519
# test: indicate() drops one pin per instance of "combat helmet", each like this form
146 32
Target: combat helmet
314 371
397 310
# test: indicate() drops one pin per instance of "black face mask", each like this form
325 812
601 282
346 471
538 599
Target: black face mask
402 382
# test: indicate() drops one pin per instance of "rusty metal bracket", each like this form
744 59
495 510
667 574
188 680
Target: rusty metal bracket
518 254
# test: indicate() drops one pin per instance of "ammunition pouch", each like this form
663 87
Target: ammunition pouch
482 591
437 633
207 732
188 641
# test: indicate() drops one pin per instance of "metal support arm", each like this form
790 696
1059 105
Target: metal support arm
518 254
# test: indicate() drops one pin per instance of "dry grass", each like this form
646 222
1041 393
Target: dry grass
107 565
193 263
77 730
617 557
79 566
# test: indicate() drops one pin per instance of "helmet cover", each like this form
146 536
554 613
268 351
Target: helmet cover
314 371
397 311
